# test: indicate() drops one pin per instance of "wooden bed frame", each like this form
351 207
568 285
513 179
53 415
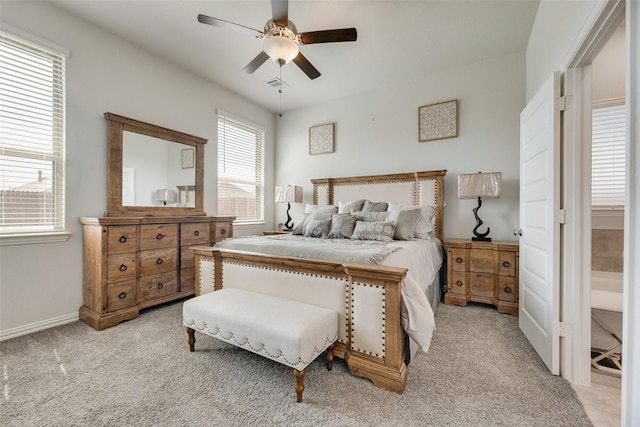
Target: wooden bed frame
367 297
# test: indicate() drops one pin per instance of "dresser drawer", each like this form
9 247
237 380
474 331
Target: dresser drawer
194 233
153 236
507 264
158 261
458 283
158 285
482 260
122 267
121 295
122 239
187 279
221 231
187 258
458 259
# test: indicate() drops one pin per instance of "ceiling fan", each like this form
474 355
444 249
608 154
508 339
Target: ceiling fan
281 39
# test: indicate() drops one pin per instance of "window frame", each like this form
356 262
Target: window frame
260 186
57 233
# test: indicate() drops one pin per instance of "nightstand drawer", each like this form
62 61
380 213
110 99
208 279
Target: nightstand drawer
482 260
507 289
458 259
481 285
507 264
458 283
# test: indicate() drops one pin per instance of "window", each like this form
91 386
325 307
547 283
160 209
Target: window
31 138
608 157
240 170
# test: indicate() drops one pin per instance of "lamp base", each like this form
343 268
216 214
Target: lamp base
481 239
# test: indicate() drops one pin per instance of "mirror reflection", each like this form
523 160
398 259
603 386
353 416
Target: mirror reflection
155 172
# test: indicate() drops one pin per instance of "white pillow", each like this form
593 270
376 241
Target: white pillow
424 225
347 207
330 209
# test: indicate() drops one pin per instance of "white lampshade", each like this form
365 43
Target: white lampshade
166 196
288 193
281 49
474 185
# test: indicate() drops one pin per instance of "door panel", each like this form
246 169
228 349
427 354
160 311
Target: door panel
540 240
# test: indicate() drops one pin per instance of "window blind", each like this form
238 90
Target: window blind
32 103
608 157
240 170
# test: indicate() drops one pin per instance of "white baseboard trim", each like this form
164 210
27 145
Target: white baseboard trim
38 326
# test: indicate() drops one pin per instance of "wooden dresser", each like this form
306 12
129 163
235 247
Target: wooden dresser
131 263
485 272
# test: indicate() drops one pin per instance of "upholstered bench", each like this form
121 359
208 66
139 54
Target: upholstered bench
286 331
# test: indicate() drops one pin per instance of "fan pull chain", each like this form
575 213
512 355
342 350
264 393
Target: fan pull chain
280 91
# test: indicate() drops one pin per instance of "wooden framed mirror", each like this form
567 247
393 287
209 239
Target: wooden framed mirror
149 167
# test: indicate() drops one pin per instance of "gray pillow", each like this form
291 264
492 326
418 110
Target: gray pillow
371 216
406 224
320 214
318 228
342 226
369 230
348 207
370 206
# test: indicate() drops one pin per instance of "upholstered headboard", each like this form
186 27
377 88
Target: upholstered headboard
416 188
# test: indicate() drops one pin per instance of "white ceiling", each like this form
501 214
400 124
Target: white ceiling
397 40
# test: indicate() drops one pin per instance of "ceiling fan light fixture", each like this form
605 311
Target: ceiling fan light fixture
281 49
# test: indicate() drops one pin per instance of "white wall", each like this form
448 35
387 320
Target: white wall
377 133
43 282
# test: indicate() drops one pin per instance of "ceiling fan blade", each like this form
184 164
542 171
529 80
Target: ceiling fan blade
306 66
204 19
256 63
329 36
280 11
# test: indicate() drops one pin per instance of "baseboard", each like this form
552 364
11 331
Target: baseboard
38 326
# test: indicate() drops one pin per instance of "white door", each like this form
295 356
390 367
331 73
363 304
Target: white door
540 238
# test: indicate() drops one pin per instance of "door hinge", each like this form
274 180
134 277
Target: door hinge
562 329
562 103
561 216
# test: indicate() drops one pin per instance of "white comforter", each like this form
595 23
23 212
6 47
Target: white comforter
422 258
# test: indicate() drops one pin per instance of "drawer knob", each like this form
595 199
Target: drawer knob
123 239
223 231
160 236
159 261
122 295
160 285
506 264
459 283
123 267
196 233
507 289
459 260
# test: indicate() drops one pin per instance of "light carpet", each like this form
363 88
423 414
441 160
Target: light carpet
480 371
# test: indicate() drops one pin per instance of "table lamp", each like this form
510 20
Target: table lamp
480 185
288 193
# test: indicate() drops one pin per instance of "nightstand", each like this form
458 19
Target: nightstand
275 232
485 272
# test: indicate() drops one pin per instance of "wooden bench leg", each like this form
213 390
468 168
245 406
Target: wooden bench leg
299 387
330 356
192 338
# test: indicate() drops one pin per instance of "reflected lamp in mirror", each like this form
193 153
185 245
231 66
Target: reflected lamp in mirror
479 185
166 196
288 193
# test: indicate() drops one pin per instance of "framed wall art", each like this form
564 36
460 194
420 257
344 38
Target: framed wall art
187 158
438 121
321 138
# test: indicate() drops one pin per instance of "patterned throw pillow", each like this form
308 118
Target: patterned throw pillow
370 206
369 230
318 214
347 207
342 226
318 228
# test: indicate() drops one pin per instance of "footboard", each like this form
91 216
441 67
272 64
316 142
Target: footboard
366 297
